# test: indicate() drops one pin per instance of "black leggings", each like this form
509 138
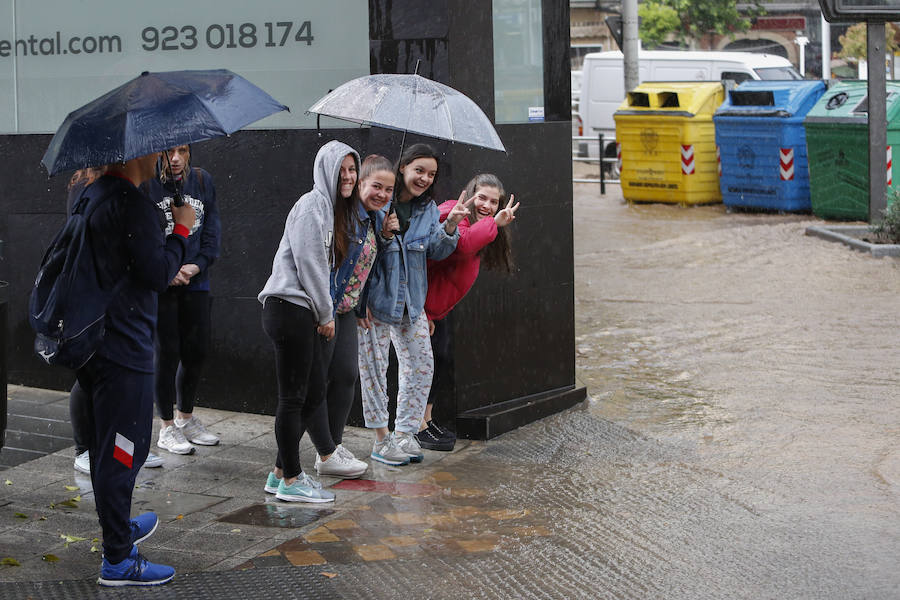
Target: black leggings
301 378
182 341
440 346
341 357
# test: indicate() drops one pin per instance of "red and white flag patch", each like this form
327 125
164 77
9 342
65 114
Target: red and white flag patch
124 451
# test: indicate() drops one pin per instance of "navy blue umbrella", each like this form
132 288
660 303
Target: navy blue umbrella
154 112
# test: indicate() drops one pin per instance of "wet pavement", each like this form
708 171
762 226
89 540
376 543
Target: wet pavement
740 442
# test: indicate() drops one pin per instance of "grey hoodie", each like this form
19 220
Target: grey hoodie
305 255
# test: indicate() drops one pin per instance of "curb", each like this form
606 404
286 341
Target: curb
846 234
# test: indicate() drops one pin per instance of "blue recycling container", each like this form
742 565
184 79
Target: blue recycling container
761 142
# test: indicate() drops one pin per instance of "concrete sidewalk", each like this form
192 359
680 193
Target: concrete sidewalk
214 513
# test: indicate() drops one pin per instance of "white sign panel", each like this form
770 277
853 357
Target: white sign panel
56 55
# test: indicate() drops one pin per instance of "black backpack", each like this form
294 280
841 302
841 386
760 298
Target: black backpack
67 307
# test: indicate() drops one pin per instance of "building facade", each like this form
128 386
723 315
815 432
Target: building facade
514 349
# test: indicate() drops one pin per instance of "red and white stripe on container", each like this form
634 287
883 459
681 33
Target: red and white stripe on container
718 161
687 159
786 156
890 166
619 157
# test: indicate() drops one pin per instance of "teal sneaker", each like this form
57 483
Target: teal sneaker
272 482
305 489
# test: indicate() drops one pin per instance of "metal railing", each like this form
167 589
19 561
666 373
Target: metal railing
600 160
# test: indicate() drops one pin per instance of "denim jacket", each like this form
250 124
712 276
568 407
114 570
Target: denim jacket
340 275
399 278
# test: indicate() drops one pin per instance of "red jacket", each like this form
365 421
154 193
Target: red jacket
450 279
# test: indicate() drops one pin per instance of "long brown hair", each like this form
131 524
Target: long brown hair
496 256
344 209
85 176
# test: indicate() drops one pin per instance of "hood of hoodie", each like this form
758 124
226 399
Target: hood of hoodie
327 168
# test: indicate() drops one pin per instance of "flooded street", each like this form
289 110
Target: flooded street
771 359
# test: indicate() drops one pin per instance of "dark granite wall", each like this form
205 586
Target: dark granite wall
514 335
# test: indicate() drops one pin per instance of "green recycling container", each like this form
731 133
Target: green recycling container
837 140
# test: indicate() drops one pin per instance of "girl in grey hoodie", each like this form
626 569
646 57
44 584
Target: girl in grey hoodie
298 313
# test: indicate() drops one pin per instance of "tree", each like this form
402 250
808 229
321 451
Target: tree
658 20
853 42
695 19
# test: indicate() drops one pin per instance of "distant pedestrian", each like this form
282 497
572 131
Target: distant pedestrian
483 239
348 281
298 315
396 301
183 323
79 401
129 244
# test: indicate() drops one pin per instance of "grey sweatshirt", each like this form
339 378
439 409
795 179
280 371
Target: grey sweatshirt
304 258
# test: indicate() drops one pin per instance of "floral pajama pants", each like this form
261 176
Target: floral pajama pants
416 368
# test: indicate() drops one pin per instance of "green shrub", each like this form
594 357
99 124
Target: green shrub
887 231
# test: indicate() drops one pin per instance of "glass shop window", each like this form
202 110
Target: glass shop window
518 61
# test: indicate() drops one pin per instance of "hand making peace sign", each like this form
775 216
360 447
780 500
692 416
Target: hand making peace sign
508 214
458 212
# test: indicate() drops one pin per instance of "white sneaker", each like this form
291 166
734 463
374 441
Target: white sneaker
83 462
153 461
196 433
171 438
341 463
408 444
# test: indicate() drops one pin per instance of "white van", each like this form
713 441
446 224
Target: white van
603 84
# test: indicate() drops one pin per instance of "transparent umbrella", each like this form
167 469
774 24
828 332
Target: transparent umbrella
410 103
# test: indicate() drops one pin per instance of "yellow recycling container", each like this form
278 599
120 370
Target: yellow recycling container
668 142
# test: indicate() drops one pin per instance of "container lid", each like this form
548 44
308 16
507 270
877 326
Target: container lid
848 101
677 98
771 98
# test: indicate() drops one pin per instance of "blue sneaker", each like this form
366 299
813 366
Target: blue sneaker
272 482
143 526
134 570
305 489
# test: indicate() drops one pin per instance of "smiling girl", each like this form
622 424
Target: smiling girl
412 233
483 237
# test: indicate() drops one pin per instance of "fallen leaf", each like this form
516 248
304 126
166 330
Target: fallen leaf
50 557
180 517
10 562
8 482
42 519
235 531
95 541
71 539
95 549
70 503
329 575
72 488
21 516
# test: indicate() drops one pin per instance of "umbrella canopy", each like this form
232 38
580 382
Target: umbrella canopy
410 103
153 112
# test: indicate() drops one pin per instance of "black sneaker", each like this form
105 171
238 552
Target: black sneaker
440 432
429 441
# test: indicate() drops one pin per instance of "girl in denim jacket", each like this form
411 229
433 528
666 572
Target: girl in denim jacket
412 233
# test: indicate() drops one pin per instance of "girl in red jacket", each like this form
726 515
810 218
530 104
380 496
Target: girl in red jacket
482 237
